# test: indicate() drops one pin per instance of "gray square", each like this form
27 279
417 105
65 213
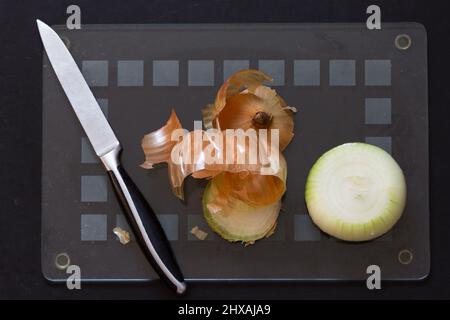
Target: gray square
382 142
93 227
169 223
87 152
103 103
130 73
378 110
307 72
199 221
122 222
305 230
342 73
201 72
165 73
94 189
377 72
95 72
233 66
274 69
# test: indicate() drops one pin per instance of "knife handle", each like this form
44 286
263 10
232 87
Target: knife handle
144 223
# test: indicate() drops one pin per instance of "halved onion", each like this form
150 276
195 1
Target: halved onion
355 192
243 102
235 220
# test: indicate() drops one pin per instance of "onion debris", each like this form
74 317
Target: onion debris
199 233
122 235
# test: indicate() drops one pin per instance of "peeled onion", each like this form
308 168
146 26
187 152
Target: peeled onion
355 192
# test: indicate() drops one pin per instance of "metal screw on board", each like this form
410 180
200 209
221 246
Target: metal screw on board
405 256
62 261
403 41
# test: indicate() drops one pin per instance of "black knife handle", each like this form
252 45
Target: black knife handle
146 227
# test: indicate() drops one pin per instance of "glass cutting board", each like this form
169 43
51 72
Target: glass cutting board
348 84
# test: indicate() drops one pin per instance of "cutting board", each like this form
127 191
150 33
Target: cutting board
348 84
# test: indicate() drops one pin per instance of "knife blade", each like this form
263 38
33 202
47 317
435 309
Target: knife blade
140 215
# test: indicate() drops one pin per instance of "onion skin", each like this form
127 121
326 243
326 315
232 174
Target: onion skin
158 145
241 101
246 181
246 195
239 231
245 79
259 190
254 189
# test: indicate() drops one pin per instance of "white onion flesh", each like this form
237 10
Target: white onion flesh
355 192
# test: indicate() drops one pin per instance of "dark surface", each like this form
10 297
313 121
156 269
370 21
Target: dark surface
20 140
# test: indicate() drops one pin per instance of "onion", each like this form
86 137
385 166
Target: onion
355 192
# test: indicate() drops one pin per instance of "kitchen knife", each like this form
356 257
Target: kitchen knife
140 215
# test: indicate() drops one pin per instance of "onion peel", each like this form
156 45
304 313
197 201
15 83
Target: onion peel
243 198
243 102
267 178
157 145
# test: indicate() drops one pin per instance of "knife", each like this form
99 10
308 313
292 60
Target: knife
140 215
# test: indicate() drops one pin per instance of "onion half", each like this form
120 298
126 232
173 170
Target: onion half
355 192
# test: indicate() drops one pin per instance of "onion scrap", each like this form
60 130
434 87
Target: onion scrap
199 233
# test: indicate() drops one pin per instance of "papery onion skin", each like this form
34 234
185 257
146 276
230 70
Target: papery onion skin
158 145
242 99
272 183
243 199
254 189
245 79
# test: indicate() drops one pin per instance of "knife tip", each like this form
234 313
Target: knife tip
40 24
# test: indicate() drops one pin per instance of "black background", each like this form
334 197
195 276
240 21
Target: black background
21 126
